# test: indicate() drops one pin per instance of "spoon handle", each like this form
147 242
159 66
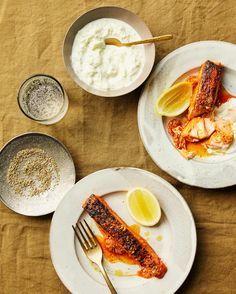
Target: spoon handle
152 40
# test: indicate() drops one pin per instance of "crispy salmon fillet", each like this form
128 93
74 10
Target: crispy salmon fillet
197 129
132 243
205 94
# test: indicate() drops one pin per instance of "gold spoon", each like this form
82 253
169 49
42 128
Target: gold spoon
116 42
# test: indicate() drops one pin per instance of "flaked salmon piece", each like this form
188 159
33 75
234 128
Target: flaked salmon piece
205 94
223 136
132 243
198 129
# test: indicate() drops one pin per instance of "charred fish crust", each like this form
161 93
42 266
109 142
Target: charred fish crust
210 80
205 95
118 231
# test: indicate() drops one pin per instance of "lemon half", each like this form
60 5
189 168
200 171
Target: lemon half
143 206
175 100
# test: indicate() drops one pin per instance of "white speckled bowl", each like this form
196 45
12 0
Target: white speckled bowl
120 14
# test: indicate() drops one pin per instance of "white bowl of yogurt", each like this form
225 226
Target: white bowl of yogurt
106 70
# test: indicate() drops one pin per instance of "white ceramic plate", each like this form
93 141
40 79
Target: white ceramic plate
211 172
177 247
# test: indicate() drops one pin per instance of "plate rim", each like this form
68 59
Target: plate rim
141 132
44 135
165 183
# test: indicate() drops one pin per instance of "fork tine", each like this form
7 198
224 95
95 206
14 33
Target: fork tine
83 237
87 235
93 237
84 246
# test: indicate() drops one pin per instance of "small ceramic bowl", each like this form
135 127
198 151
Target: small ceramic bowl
47 201
120 14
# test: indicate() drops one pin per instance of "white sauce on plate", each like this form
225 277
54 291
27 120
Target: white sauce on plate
107 67
227 111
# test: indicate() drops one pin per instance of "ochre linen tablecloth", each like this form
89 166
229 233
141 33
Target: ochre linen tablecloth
102 132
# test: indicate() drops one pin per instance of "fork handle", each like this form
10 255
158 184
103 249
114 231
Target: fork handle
104 273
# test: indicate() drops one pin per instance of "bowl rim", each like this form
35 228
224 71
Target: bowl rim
122 91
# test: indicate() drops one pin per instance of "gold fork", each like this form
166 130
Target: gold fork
92 249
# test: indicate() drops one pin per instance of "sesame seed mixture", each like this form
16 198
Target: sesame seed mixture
32 171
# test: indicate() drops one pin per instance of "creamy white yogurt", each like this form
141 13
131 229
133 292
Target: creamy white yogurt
106 67
227 111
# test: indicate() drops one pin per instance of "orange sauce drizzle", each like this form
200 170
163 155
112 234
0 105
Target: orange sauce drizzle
198 147
135 228
114 257
120 273
224 95
186 76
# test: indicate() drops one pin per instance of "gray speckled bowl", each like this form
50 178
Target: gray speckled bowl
46 202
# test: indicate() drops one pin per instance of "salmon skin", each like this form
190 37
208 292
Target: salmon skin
205 94
135 246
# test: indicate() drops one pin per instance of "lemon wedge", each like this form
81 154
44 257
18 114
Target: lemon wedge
143 206
175 100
